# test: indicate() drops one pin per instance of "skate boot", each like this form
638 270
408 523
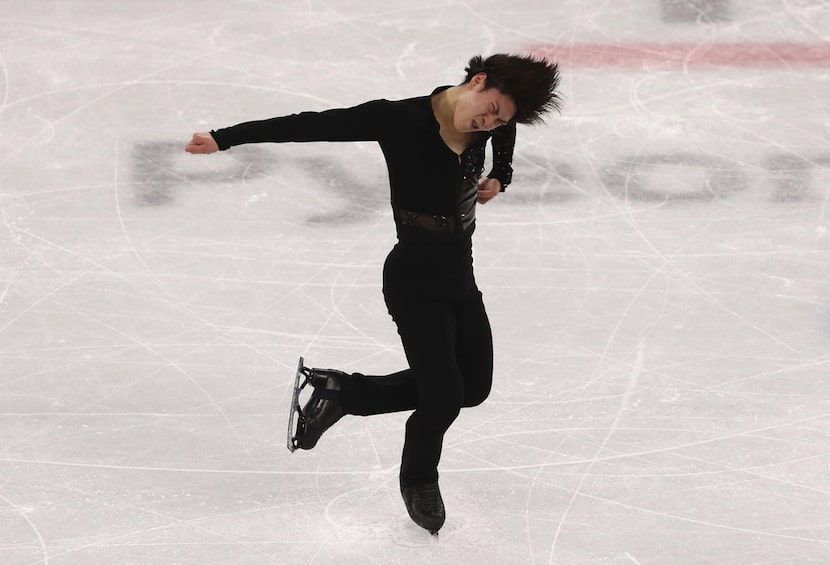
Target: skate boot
425 506
323 409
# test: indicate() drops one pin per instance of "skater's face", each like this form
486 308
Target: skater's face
482 109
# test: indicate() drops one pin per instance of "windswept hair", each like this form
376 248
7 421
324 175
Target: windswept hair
529 81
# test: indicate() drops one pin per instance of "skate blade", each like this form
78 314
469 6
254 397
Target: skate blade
295 413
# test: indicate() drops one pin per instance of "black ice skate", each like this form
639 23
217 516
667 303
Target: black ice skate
425 505
321 411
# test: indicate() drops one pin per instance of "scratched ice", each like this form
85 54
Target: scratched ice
657 279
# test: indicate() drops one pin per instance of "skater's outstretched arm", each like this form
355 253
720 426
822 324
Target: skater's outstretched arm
365 122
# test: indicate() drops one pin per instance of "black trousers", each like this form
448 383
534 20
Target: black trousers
448 343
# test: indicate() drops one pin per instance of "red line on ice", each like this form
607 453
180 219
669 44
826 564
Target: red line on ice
685 55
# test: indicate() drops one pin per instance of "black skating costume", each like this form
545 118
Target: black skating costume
428 281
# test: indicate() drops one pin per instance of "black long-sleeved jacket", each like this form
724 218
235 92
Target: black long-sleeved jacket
426 177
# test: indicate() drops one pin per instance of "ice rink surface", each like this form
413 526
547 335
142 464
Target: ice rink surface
657 277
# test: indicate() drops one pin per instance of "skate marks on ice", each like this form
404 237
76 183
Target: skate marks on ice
696 11
406 533
375 514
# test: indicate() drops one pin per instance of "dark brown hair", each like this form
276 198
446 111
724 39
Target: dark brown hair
529 81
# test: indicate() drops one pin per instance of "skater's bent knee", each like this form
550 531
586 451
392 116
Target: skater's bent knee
433 418
477 396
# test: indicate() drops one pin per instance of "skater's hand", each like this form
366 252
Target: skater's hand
202 142
488 189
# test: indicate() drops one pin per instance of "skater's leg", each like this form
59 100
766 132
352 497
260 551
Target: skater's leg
337 393
367 395
474 350
371 394
428 334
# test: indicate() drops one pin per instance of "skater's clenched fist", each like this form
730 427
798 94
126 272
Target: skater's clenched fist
202 142
488 189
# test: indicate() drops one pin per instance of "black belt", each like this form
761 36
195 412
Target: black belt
427 222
